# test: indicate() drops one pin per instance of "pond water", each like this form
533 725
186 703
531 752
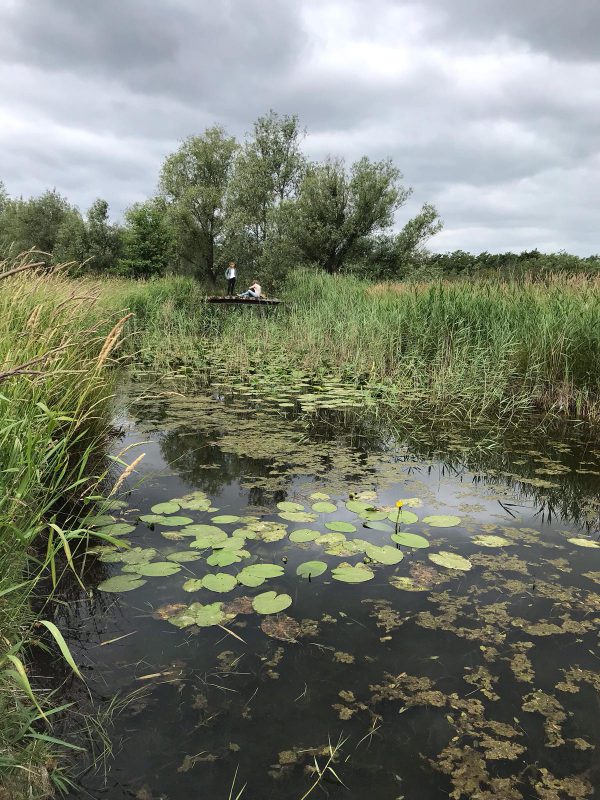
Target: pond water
454 653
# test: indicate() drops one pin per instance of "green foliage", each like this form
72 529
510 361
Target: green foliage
473 348
149 243
397 256
194 180
54 424
72 242
529 263
33 223
267 171
336 211
103 238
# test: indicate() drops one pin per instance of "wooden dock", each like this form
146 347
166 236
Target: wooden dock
244 301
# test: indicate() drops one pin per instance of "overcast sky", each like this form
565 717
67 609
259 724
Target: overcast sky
491 108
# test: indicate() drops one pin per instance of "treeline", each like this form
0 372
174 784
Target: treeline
528 262
260 202
263 204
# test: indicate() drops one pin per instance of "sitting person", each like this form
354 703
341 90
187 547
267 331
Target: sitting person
254 291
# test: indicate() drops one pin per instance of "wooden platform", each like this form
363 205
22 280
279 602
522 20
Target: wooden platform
244 301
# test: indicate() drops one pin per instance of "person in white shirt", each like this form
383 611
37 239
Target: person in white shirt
254 291
231 275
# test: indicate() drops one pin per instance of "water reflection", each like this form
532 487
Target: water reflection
479 684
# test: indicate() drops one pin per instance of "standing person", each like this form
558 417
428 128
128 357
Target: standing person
254 291
231 275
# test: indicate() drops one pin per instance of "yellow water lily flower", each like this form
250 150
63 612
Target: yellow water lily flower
399 503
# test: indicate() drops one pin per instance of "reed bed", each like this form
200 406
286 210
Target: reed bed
470 348
57 346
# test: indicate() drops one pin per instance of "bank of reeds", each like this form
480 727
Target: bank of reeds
470 348
56 348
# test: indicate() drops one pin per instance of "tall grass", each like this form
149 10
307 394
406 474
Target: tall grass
474 348
56 347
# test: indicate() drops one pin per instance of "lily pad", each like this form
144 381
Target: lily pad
357 506
203 615
298 516
121 583
403 518
287 505
226 519
327 539
375 525
172 536
183 556
450 560
384 555
344 549
580 542
117 529
409 539
303 535
160 519
136 555
256 574
491 541
209 538
311 569
271 603
442 520
219 582
352 574
100 520
273 534
154 569
192 585
324 507
340 526
230 543
165 508
319 496
223 558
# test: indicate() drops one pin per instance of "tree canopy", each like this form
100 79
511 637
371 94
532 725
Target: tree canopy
260 202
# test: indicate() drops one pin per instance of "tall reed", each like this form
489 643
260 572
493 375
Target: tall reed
486 347
56 348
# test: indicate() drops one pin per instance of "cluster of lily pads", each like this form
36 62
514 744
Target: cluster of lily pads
289 389
210 542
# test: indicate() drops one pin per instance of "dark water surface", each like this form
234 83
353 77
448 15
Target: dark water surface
482 683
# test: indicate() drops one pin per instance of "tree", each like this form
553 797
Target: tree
396 256
336 212
268 170
3 198
148 240
33 223
194 181
71 240
103 238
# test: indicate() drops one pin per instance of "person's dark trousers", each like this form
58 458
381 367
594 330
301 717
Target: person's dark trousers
230 285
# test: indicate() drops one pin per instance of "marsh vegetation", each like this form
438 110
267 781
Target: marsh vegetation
276 448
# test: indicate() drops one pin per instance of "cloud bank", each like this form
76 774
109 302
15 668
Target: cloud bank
490 109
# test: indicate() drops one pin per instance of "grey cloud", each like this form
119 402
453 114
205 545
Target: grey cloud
490 109
565 30
192 50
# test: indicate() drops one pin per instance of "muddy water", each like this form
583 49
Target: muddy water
480 682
